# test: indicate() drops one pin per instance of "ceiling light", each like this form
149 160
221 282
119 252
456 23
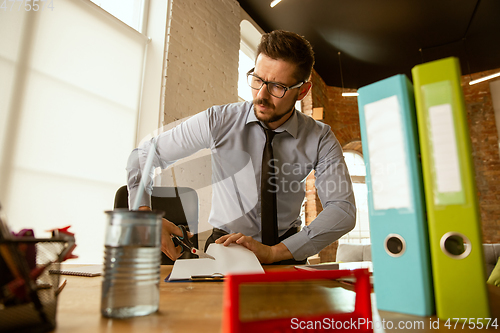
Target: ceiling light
275 2
345 94
484 78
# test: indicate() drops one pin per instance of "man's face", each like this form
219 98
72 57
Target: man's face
271 110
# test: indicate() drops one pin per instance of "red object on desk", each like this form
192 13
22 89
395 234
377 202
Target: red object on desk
65 234
362 314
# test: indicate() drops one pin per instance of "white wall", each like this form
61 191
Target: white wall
201 71
202 59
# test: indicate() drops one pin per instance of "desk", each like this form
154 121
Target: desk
79 309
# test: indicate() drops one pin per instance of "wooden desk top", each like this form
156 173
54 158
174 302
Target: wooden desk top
184 307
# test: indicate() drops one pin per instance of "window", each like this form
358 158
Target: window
130 12
356 166
250 38
245 64
69 139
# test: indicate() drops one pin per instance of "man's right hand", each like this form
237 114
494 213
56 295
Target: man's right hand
167 245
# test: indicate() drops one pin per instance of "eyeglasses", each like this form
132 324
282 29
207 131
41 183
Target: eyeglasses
274 88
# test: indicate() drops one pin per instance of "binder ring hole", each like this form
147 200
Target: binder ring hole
395 245
455 245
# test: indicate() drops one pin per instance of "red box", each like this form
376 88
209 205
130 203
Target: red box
361 316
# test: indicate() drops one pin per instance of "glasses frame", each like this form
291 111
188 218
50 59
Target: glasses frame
250 72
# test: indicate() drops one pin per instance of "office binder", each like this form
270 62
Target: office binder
452 207
398 228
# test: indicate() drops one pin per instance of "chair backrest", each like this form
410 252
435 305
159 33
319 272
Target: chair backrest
354 252
179 204
491 255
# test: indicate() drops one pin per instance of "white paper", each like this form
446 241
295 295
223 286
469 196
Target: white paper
388 157
228 260
445 151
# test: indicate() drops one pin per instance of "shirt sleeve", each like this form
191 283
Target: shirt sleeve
334 188
181 141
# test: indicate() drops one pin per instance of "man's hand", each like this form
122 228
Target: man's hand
266 254
167 245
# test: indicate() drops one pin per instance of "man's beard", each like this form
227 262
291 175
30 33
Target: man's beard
274 117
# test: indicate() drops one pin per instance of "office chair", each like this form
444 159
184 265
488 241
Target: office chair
180 205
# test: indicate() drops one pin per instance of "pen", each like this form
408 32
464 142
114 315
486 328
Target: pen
213 277
61 287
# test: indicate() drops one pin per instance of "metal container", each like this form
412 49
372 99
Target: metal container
132 258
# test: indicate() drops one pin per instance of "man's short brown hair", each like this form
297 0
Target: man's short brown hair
290 47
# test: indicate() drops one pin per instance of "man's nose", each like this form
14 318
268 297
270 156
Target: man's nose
263 92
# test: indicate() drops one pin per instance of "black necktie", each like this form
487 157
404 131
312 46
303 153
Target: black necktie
269 213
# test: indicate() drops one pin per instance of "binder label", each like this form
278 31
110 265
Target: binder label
387 154
445 149
445 162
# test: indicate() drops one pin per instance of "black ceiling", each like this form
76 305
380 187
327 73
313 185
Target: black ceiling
381 38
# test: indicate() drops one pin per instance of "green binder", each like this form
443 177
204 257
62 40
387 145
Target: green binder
453 213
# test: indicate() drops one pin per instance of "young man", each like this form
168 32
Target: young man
262 152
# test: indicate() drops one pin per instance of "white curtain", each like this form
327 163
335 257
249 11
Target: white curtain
70 84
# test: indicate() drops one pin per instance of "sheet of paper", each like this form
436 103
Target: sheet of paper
388 157
228 259
445 151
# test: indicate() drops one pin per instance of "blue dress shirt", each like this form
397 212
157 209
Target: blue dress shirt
236 141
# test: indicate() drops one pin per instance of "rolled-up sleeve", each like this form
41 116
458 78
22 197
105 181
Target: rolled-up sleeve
334 188
181 141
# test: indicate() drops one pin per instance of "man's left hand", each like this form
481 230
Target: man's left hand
266 254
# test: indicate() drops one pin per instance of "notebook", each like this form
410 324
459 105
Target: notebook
337 266
88 271
232 259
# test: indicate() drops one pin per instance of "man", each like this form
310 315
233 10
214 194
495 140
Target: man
262 152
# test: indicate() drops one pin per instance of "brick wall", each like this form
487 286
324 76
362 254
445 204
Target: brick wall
484 139
341 113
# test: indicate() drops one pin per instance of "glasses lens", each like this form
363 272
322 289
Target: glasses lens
276 90
254 82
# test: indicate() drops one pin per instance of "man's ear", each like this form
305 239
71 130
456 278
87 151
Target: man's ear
303 90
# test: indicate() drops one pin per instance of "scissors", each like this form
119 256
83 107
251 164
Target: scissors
186 244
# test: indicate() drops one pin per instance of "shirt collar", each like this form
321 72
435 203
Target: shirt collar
291 125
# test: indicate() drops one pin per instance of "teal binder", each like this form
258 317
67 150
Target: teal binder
398 226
